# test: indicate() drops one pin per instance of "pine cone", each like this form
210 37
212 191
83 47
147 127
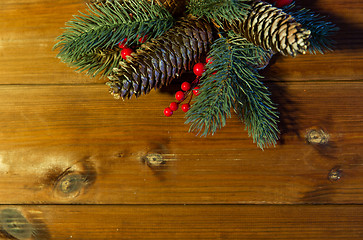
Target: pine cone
158 62
272 29
175 7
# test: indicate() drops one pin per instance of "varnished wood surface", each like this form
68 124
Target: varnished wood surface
29 29
63 125
58 126
195 222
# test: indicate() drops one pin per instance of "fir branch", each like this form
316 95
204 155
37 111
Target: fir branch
220 11
103 26
321 30
235 85
101 61
252 102
213 106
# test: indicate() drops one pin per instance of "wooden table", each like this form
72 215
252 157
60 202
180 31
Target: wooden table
77 164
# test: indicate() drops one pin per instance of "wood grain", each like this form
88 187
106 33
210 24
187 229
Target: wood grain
29 29
135 174
195 222
47 129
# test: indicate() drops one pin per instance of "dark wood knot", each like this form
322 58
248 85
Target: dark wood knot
70 185
317 136
14 224
74 180
154 160
335 174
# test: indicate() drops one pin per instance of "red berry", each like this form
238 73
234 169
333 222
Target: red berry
122 43
208 60
179 95
126 52
142 39
282 3
185 86
196 91
174 106
168 112
198 69
185 107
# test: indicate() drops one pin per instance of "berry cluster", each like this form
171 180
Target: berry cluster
125 50
186 89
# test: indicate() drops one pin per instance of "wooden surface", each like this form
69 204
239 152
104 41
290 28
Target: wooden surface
196 222
135 174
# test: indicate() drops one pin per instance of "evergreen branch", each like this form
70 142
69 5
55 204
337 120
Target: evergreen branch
105 25
235 85
101 61
213 106
220 11
321 30
252 102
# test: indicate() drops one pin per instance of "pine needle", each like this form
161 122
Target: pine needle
321 30
235 85
89 39
220 11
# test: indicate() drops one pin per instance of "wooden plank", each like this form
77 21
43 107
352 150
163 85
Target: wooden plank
195 222
344 63
29 29
50 132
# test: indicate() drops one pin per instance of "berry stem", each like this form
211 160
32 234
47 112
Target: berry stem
186 94
191 97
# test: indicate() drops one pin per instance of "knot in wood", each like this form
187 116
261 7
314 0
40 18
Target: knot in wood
335 174
154 160
70 185
317 136
15 224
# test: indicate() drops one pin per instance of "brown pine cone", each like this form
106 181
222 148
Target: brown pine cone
272 29
163 59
